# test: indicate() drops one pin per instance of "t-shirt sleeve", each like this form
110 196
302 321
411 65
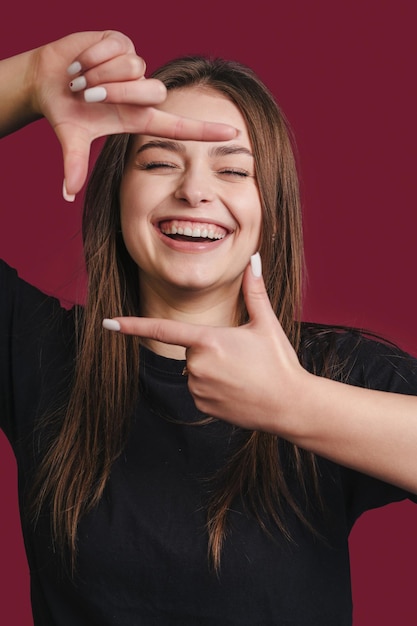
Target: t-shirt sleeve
35 350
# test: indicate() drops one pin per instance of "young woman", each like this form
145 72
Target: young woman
204 463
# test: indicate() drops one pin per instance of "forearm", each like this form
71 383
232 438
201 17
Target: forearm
17 104
373 432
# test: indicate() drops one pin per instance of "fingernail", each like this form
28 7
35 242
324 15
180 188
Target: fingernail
69 197
78 83
111 324
95 94
256 265
74 68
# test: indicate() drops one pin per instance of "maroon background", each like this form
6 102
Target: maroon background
344 73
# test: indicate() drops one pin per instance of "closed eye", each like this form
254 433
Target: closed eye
235 172
153 165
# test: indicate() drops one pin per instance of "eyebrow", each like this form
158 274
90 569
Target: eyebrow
175 146
230 149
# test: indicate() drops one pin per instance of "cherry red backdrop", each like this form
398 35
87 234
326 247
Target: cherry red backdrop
344 73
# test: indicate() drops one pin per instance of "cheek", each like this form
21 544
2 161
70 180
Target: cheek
255 215
132 206
129 220
247 209
257 223
139 197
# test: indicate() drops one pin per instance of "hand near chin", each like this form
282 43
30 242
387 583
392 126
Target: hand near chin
93 84
249 375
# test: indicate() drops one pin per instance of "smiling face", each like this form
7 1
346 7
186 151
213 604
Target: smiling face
190 211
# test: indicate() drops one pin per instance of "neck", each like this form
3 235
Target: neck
191 308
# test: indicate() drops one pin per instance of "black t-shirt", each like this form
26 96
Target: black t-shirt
143 550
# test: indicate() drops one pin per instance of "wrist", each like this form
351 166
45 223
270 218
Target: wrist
30 88
299 423
17 101
287 412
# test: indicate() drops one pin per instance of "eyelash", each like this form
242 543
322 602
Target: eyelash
156 164
241 173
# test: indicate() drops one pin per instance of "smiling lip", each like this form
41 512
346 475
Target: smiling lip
191 235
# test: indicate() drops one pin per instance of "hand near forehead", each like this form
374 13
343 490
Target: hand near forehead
246 374
103 68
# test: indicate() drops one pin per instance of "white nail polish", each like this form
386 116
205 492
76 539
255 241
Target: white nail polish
95 94
111 324
74 68
78 83
69 197
256 265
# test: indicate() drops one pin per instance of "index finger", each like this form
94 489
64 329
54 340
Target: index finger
163 124
165 331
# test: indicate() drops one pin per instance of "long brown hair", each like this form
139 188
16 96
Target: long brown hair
78 463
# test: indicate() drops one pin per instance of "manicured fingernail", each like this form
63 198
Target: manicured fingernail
78 83
256 265
95 94
111 324
74 68
69 197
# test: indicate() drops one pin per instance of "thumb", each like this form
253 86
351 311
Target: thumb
76 152
254 292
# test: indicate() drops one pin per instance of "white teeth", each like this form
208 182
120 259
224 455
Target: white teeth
192 231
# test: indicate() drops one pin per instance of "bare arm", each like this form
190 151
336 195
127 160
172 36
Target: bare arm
16 102
374 432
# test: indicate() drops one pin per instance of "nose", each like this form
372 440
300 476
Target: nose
195 188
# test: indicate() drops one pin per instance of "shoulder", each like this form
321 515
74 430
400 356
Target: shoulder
24 305
357 357
37 348
34 328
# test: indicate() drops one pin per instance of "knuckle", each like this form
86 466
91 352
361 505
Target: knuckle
92 77
149 120
214 346
196 368
178 128
257 294
119 40
124 92
136 66
160 90
158 332
199 399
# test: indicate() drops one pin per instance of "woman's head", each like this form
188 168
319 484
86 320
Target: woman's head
190 211
281 242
